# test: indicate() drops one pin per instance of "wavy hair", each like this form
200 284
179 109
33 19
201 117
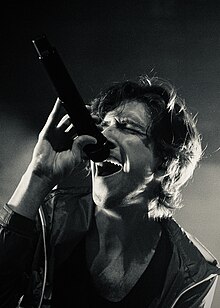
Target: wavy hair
173 130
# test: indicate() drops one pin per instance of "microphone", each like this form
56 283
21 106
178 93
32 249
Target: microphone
72 100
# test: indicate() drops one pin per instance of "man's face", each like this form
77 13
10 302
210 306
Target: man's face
131 163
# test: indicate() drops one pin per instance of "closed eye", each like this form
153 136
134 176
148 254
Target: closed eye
105 124
124 125
131 128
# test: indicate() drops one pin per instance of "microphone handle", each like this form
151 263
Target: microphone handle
72 100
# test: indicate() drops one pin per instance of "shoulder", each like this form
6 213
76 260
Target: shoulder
186 243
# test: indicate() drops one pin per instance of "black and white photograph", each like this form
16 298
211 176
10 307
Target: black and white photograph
110 154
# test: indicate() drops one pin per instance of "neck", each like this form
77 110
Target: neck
120 245
127 224
111 205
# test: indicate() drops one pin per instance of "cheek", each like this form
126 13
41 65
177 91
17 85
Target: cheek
139 146
140 155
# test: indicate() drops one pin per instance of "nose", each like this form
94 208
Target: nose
111 145
110 134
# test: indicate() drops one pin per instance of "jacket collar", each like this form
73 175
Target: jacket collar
190 264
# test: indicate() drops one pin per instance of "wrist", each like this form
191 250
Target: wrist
30 194
16 222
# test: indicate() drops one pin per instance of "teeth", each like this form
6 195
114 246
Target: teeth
113 161
105 172
100 164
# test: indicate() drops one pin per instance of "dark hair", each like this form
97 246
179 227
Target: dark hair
173 129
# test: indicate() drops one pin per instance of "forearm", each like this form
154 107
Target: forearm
52 162
29 194
17 244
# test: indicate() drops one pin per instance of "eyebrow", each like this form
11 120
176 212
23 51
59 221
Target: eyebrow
133 122
127 119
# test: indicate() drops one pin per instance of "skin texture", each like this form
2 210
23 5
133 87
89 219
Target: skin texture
121 240
53 161
126 128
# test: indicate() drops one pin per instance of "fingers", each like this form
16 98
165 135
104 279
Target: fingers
53 118
81 141
79 144
55 114
59 122
65 123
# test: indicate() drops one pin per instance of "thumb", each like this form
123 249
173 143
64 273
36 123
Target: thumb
79 144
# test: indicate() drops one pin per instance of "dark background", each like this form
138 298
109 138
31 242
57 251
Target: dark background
102 42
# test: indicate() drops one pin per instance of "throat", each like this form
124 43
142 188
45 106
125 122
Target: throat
120 259
129 228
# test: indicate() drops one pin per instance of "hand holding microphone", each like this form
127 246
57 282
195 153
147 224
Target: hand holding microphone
52 159
72 101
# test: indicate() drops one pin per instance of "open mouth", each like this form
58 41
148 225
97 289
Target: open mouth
108 167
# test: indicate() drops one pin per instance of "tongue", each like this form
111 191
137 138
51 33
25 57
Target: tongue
107 169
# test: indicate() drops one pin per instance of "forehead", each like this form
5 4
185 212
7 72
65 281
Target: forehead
133 110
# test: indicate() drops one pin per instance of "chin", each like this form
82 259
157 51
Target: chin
105 197
101 195
105 187
111 184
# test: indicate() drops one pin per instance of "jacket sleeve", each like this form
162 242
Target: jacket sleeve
68 213
17 235
200 296
68 210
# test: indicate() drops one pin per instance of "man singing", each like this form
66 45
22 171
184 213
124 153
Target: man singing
105 233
